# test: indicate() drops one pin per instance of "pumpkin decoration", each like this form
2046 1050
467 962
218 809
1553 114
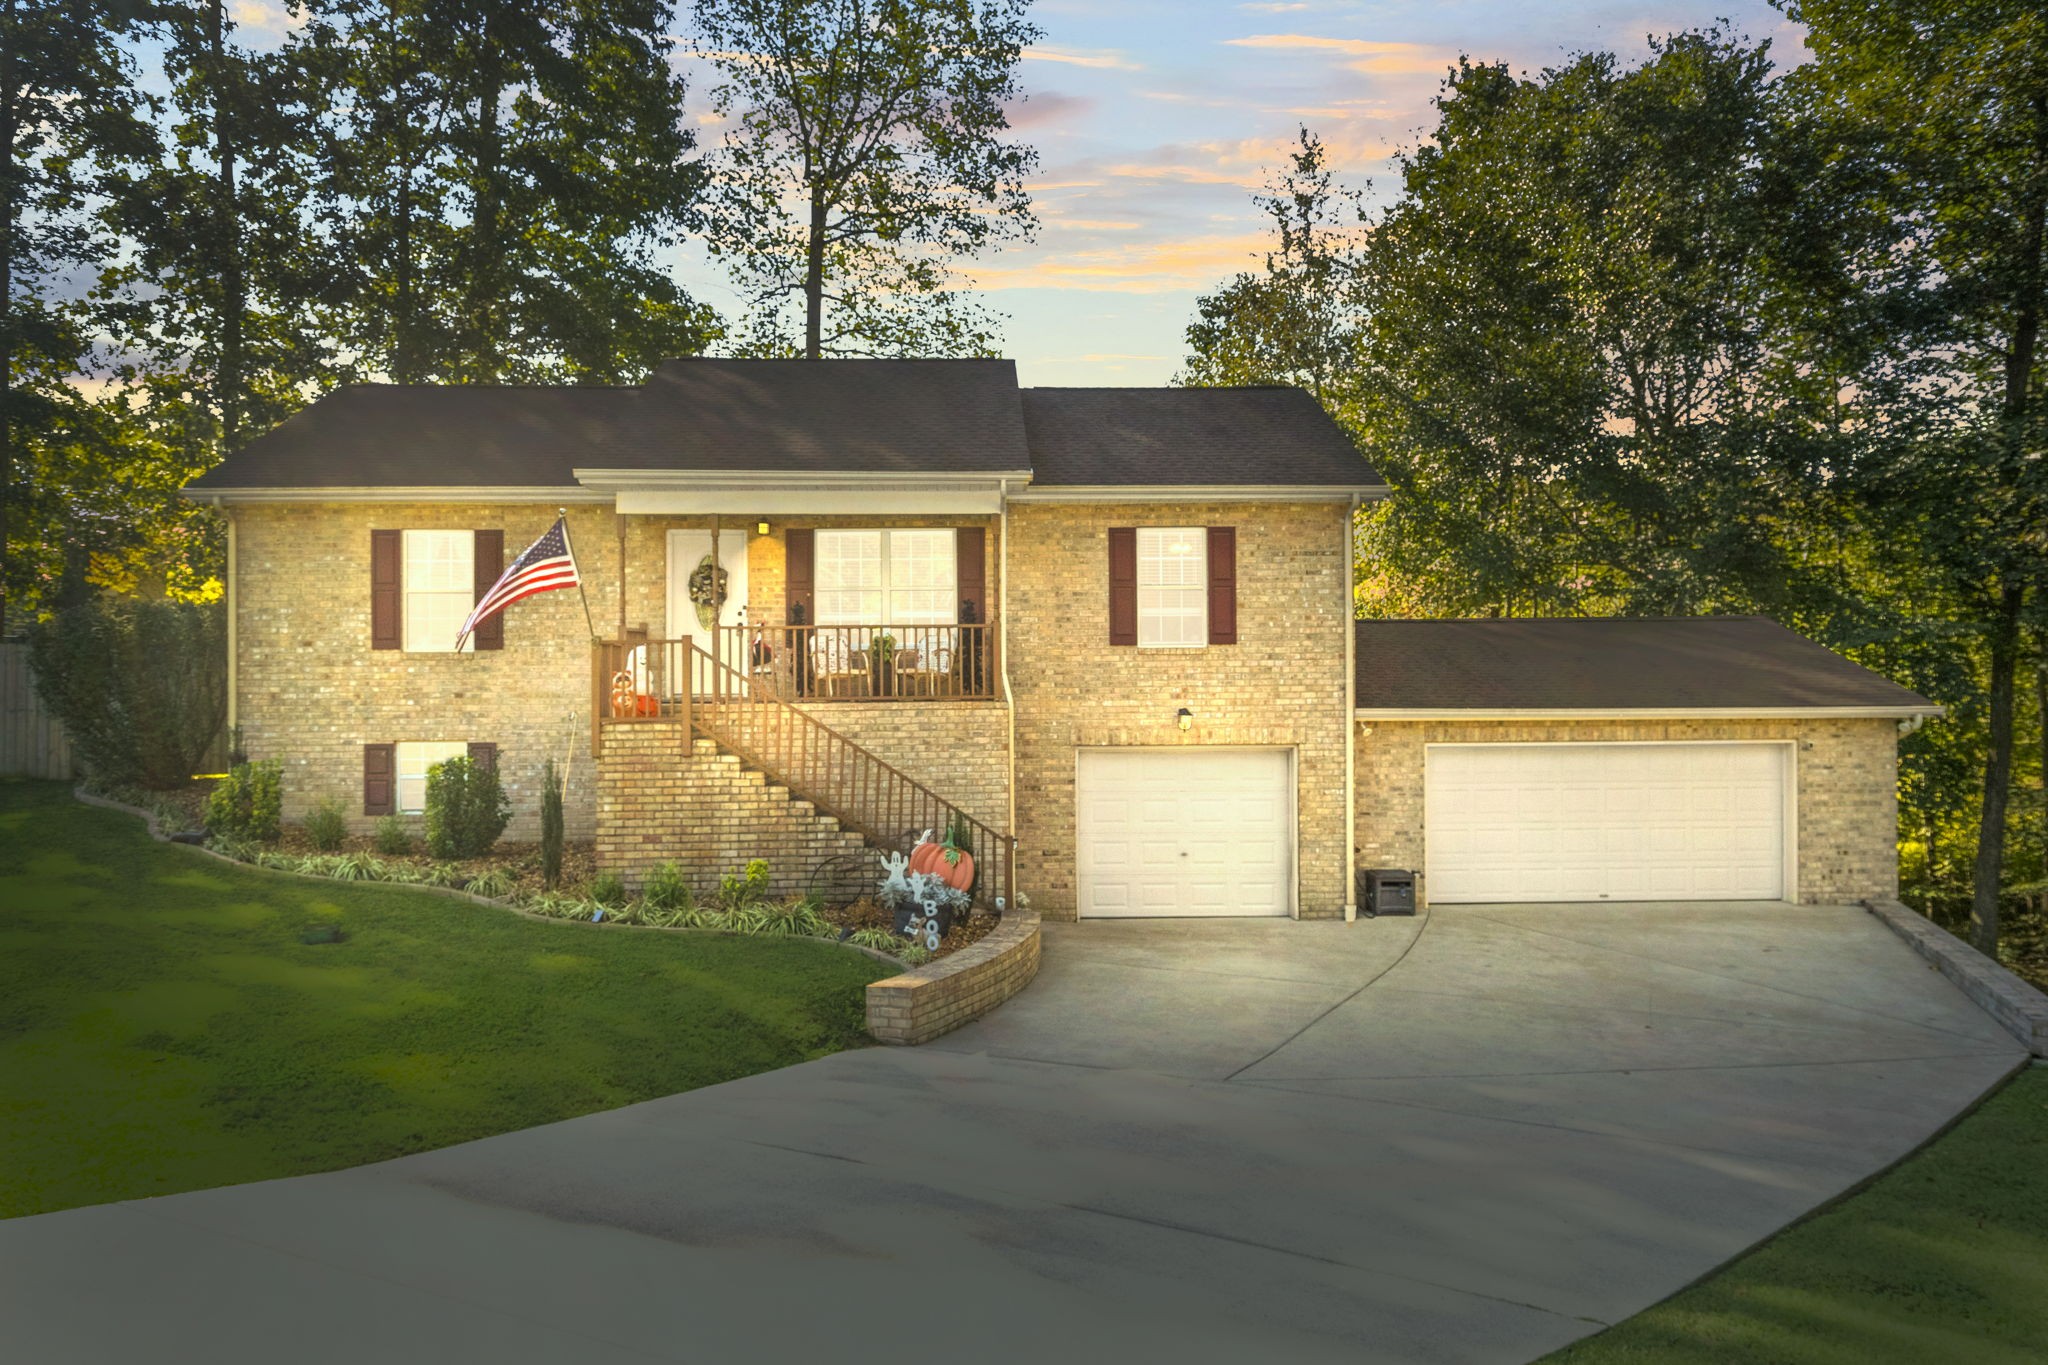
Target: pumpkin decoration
949 862
622 693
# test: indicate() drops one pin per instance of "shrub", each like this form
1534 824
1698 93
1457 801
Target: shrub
798 918
916 955
326 826
466 809
140 686
444 874
666 889
394 840
881 940
550 826
606 889
495 883
737 891
247 804
745 919
354 867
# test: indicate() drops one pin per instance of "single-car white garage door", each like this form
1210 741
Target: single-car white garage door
1194 831
1589 822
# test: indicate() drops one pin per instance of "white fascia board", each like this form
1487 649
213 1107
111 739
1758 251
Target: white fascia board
812 501
1454 713
549 493
1196 492
750 480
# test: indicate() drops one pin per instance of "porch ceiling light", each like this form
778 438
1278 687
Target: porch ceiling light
1184 718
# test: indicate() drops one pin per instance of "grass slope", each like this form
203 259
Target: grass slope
1943 1259
162 1028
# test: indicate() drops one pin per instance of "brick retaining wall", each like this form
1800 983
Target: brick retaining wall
939 997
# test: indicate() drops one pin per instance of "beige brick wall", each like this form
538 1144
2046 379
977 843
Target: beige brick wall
312 693
1847 800
1281 685
660 798
928 1001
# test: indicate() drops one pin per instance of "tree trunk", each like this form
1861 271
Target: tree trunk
1990 867
486 255
8 121
814 281
404 364
228 382
2041 714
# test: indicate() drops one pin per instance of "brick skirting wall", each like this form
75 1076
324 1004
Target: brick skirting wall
939 997
661 797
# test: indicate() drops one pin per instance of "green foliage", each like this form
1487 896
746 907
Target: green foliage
915 955
394 837
869 142
445 874
666 888
466 809
606 889
741 892
550 826
798 917
248 803
881 940
140 686
326 826
495 884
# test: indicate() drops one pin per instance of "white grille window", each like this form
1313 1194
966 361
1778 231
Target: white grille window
413 761
1173 587
885 578
440 589
921 578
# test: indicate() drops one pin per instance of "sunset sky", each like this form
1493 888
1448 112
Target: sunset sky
1156 121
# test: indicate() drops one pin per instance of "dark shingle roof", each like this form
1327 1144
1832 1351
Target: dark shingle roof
797 416
1708 662
1188 436
919 416
427 436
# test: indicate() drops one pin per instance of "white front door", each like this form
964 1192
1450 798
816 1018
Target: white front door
1594 822
687 551
1185 831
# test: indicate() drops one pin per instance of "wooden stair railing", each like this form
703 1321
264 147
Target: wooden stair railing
793 749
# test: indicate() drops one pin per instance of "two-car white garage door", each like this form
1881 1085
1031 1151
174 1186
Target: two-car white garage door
1589 822
1185 831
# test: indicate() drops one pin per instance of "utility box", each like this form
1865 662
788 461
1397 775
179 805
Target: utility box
1388 891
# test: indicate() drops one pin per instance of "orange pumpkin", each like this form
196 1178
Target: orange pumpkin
926 857
959 874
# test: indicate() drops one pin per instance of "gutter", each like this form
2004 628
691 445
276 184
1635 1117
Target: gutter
1791 712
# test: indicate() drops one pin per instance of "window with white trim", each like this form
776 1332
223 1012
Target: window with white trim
1173 587
413 760
888 578
440 589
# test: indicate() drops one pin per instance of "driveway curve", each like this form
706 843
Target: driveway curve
1470 1136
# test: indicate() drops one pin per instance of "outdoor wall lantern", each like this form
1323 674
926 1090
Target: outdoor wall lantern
1184 718
761 528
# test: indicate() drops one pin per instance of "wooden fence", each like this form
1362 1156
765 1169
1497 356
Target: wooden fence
32 741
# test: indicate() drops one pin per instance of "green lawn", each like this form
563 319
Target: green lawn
1945 1259
162 1028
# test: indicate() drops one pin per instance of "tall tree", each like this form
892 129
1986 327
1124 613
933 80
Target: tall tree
864 155
68 109
501 176
1294 322
1945 102
1576 370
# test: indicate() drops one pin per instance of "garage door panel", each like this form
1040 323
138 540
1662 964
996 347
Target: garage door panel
1198 832
1570 821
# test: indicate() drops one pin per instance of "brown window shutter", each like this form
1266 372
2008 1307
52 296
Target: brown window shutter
1222 585
380 779
487 562
970 572
1123 585
800 545
484 756
387 571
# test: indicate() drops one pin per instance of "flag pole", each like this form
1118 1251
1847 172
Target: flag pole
577 569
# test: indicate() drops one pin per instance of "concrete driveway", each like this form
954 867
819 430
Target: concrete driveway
1471 1137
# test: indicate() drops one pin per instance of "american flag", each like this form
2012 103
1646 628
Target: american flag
547 564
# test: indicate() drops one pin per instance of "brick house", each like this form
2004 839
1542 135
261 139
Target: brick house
1107 631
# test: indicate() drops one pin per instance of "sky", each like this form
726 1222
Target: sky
1156 122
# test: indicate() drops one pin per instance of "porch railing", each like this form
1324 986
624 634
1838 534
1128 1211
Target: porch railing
866 663
644 680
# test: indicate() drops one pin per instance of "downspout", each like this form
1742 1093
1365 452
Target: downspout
1003 652
233 599
1351 712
